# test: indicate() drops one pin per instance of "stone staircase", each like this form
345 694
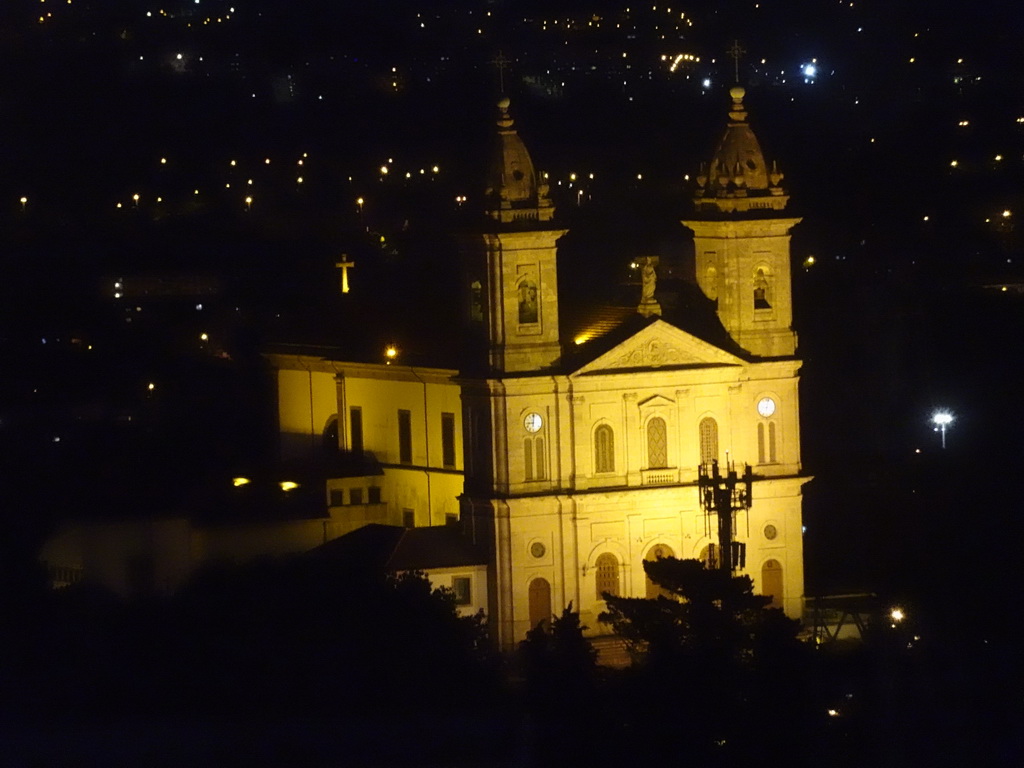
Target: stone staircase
611 651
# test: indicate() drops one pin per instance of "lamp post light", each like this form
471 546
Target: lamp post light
941 420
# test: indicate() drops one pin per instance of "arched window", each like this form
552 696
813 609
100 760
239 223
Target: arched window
761 290
655 553
711 283
708 430
604 449
766 447
540 602
771 582
330 434
533 458
657 443
476 301
607 575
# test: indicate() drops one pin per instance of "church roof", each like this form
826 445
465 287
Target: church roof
378 547
738 178
595 330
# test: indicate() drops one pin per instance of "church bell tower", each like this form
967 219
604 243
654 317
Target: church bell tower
741 240
511 266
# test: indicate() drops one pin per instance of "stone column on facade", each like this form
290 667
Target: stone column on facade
578 427
631 437
505 588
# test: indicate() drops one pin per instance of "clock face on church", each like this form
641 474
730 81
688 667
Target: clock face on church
533 422
766 406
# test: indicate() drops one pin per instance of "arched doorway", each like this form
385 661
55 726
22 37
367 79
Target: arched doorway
771 582
654 553
540 602
607 575
709 556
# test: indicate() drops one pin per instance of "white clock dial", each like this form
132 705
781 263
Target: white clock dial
533 422
766 406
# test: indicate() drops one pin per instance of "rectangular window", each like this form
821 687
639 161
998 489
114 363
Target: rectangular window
408 518
337 497
528 457
405 437
448 440
374 493
355 496
355 420
461 586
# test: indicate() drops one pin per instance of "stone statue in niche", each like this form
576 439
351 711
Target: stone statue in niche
527 302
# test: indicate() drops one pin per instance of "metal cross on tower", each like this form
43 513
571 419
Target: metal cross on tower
725 495
500 63
736 51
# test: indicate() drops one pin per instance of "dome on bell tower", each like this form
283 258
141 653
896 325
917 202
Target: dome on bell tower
738 178
515 194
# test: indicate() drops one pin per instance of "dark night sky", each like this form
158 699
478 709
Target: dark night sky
891 319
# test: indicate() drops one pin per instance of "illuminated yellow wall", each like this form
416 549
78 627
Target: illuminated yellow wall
576 513
307 399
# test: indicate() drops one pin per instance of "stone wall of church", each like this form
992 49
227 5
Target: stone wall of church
586 543
306 403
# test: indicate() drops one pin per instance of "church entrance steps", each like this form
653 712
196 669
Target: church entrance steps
611 651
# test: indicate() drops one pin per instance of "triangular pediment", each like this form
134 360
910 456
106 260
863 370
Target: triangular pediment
657 346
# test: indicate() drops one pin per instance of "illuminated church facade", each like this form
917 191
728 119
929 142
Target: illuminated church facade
569 456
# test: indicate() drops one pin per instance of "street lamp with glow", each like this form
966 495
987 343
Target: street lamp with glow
941 420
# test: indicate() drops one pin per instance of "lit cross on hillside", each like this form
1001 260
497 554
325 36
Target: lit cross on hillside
735 52
344 265
500 62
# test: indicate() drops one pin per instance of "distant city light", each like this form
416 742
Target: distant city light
239 481
288 485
